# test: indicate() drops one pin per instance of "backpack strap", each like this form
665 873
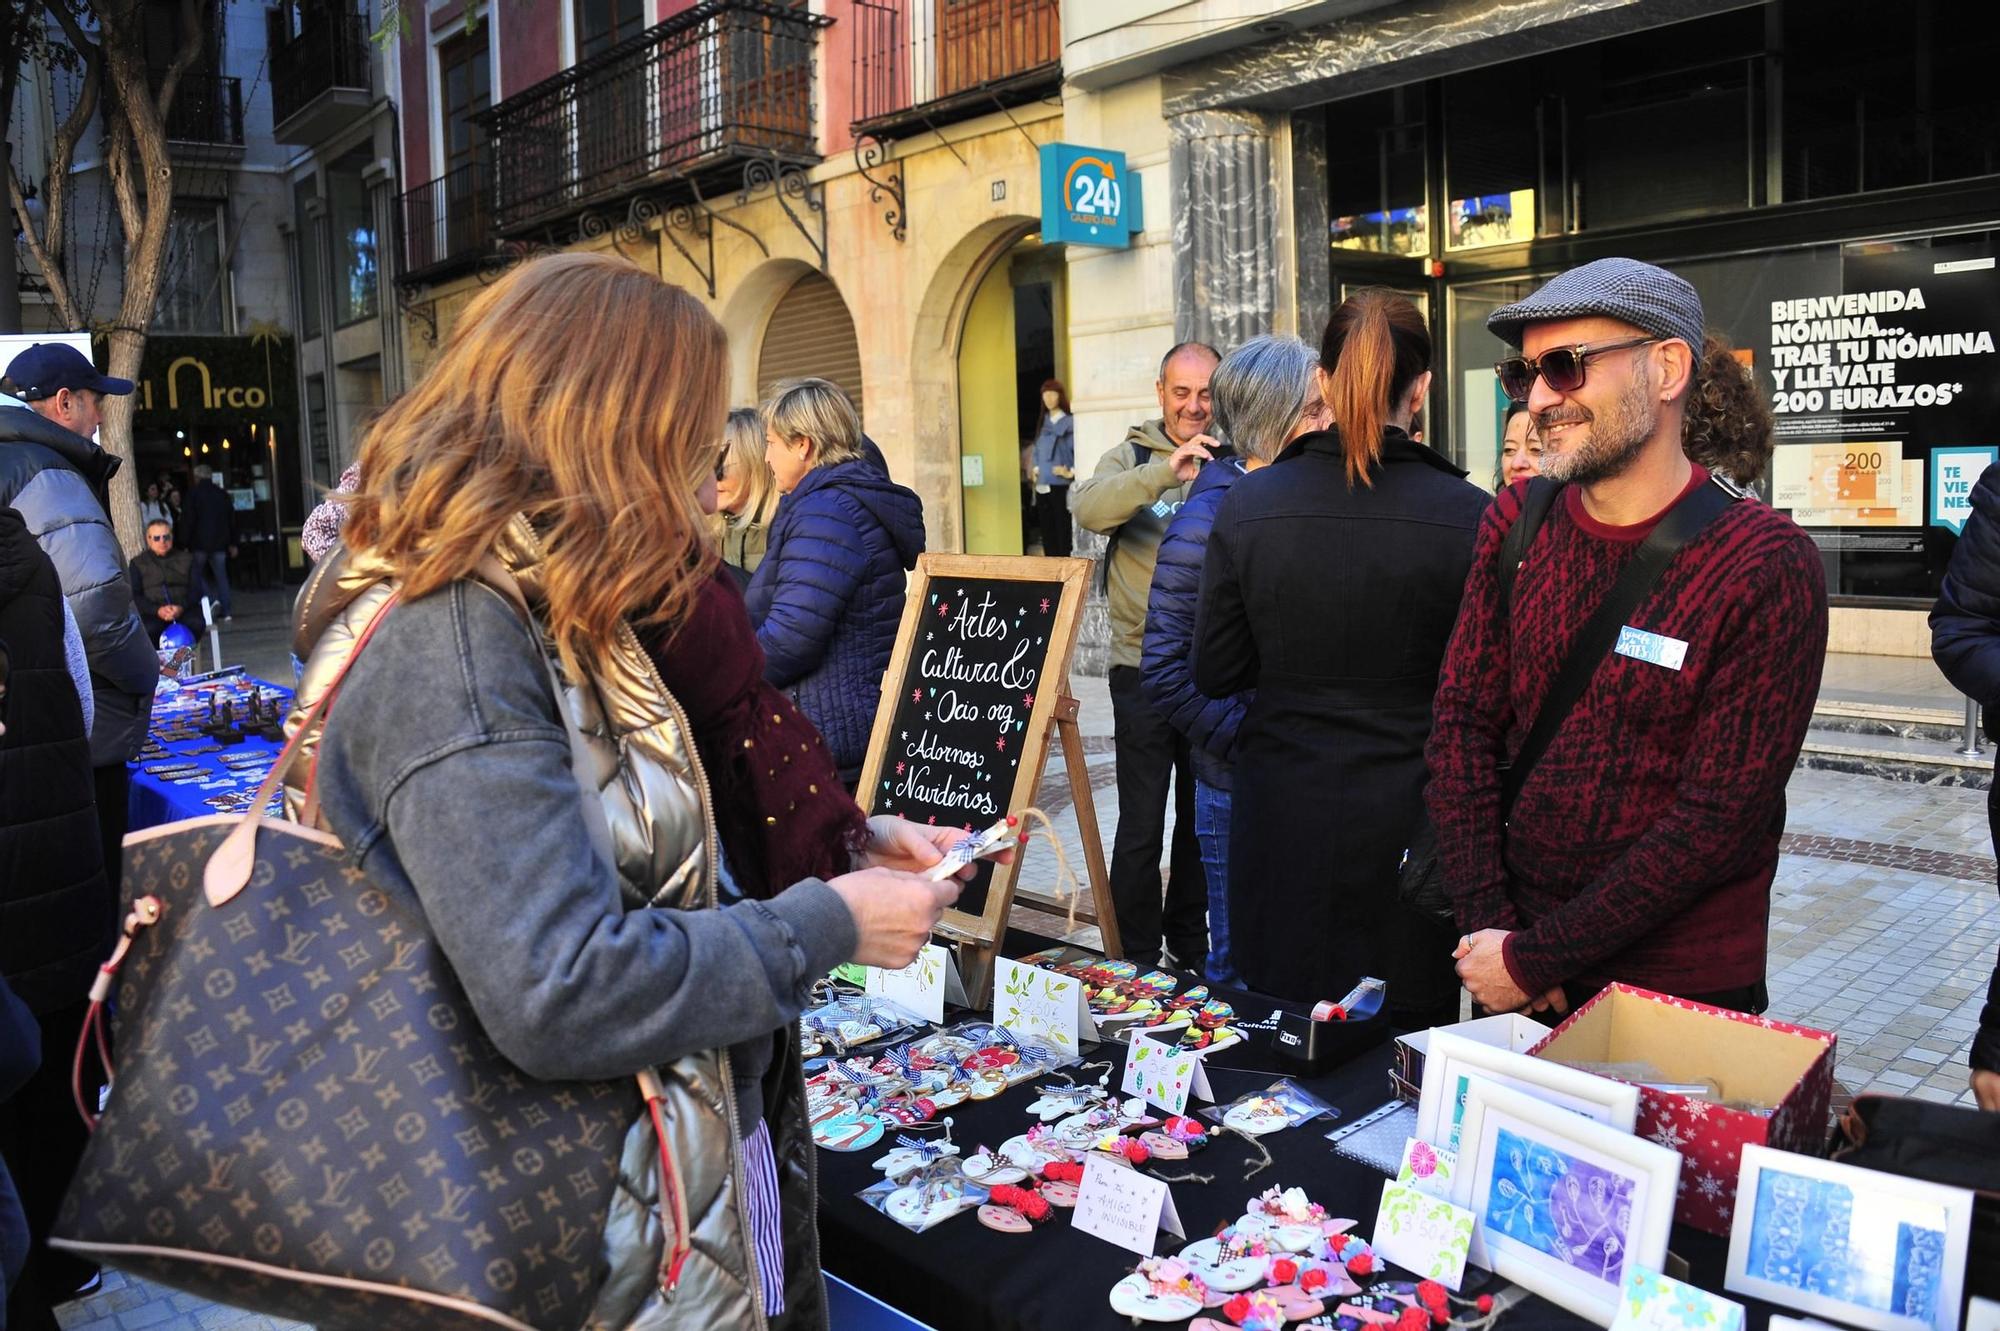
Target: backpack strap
1514 546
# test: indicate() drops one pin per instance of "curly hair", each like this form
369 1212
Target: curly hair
1727 427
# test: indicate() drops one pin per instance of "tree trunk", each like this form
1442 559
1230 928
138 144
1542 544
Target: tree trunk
115 434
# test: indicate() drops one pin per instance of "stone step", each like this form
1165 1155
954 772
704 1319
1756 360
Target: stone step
1861 717
1918 758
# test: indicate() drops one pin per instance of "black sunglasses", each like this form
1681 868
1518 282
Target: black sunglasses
1559 367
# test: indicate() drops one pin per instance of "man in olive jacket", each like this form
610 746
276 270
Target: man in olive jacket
56 477
1131 497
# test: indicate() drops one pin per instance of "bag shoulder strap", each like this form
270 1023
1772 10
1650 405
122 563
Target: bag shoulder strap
1527 524
1682 523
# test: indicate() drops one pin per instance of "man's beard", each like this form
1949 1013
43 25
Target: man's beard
1615 439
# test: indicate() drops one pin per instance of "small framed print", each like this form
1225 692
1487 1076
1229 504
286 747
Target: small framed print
1869 1249
1453 1063
1565 1205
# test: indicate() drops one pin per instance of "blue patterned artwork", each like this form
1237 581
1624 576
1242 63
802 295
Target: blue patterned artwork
1803 1237
1564 1207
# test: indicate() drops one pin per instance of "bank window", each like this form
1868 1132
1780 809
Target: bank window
191 283
1665 124
1494 132
355 276
1911 103
1375 174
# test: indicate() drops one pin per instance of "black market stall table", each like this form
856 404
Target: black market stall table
962 1276
191 766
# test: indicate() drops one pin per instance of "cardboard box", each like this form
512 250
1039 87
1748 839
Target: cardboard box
1752 1059
1509 1030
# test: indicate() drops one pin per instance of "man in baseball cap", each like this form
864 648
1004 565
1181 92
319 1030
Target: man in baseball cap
1643 842
61 385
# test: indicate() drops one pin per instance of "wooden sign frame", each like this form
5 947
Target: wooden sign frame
1053 706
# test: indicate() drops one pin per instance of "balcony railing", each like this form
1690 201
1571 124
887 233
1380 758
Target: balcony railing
447 224
941 60
722 82
207 109
331 52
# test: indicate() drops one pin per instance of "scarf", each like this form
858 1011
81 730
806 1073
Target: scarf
779 804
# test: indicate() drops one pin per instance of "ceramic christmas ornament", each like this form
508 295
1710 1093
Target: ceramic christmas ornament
1210 1259
1163 1289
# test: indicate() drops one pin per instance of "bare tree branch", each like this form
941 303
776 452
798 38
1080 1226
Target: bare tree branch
52 273
62 152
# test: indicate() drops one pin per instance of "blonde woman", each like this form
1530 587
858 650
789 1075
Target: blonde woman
584 926
745 491
828 597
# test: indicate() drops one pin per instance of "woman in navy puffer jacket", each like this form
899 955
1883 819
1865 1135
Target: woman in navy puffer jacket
829 595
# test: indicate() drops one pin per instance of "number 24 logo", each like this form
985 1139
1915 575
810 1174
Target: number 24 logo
1099 194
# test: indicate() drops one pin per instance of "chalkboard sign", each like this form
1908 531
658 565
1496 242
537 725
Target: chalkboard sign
961 735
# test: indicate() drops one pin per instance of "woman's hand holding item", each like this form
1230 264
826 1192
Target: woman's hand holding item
894 913
898 843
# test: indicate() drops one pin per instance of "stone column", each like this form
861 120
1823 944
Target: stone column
1224 175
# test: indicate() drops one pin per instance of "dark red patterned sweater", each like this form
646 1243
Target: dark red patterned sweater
1644 843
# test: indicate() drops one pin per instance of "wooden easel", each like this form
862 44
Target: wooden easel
1101 912
976 955
979 934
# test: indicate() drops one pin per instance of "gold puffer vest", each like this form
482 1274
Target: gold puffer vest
636 752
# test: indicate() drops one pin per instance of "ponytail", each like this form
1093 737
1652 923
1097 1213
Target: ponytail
1376 345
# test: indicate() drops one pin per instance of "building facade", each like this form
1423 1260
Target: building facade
1830 183
217 382
333 83
851 187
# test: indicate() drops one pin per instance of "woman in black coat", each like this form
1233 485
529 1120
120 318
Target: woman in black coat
1331 585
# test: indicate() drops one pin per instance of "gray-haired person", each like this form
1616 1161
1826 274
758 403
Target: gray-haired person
1264 398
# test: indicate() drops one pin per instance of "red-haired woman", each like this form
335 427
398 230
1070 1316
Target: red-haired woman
1055 468
1330 586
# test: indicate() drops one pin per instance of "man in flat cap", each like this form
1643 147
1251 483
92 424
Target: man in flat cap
1642 836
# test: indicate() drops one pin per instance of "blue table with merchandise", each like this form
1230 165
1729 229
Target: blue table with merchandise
183 772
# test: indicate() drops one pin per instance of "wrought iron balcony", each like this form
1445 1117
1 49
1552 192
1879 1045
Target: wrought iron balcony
447 224
933 62
320 78
207 110
723 84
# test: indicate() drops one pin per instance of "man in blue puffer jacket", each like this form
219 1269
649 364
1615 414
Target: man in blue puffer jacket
1264 397
828 597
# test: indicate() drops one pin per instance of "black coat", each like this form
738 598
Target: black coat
1965 642
208 519
57 917
1335 604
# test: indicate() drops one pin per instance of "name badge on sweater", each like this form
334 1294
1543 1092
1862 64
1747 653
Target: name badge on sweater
1643 646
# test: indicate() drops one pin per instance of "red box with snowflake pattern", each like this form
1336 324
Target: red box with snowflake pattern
1784 1070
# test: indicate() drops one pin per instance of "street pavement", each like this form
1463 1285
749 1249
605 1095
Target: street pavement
1884 918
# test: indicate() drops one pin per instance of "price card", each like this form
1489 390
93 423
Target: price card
1164 1075
1124 1207
1042 1005
922 987
1654 1302
1423 1234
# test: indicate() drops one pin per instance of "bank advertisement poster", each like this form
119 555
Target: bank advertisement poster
1873 383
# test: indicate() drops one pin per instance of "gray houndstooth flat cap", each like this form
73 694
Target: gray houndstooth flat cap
1624 289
